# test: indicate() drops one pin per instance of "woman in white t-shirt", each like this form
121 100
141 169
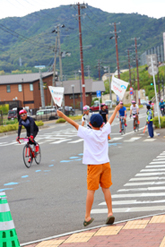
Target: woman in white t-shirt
86 116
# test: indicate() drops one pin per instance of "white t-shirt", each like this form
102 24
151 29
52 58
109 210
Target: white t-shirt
86 119
134 108
95 144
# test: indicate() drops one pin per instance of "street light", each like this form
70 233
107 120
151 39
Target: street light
73 97
81 103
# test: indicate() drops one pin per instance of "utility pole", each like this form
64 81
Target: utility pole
81 55
116 44
137 71
42 91
88 68
54 66
98 68
129 66
117 56
58 51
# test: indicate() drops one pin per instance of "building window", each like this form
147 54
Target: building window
19 88
31 87
8 88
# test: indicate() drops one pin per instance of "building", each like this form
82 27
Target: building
25 88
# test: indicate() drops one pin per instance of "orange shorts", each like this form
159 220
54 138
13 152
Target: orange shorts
98 174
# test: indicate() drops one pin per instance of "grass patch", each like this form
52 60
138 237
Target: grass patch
61 120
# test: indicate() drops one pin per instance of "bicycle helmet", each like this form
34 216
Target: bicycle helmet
86 108
121 103
133 102
22 112
102 104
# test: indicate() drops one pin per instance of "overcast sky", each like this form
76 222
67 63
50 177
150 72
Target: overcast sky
152 8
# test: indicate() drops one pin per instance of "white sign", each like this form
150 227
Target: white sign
118 86
57 94
153 71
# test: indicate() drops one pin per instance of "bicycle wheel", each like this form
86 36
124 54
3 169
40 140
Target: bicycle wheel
38 156
27 156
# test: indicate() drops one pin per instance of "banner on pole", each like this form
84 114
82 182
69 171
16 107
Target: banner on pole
119 87
57 94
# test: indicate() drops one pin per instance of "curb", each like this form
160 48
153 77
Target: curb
87 229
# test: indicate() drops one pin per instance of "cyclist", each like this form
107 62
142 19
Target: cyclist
122 113
86 116
104 113
31 129
134 110
161 106
151 106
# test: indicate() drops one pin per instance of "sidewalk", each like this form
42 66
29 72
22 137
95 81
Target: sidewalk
144 232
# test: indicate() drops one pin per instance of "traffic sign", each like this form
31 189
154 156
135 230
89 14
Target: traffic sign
152 57
154 72
131 92
98 93
131 89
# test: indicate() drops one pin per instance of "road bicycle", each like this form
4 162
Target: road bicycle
135 123
162 111
29 153
122 125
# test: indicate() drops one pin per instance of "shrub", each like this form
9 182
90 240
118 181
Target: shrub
61 120
156 122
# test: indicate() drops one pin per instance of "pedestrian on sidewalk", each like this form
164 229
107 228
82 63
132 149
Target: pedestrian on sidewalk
95 156
150 121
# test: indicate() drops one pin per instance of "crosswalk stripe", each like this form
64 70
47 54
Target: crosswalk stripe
155 166
143 189
143 183
79 140
137 195
132 139
150 174
146 178
149 140
152 170
157 162
130 210
60 141
125 202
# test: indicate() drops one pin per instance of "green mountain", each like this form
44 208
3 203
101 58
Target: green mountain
30 39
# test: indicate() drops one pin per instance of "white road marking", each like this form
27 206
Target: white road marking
132 139
157 162
144 183
126 210
149 174
79 140
138 195
143 189
152 170
149 140
155 166
60 141
146 178
125 202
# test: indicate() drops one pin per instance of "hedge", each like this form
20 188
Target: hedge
11 127
61 120
156 122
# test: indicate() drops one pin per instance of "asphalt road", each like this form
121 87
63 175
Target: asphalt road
49 199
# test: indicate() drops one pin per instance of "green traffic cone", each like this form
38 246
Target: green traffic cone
8 235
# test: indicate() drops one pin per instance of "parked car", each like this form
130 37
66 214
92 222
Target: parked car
45 114
68 110
95 107
12 114
143 102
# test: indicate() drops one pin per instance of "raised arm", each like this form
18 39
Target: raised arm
117 108
70 121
